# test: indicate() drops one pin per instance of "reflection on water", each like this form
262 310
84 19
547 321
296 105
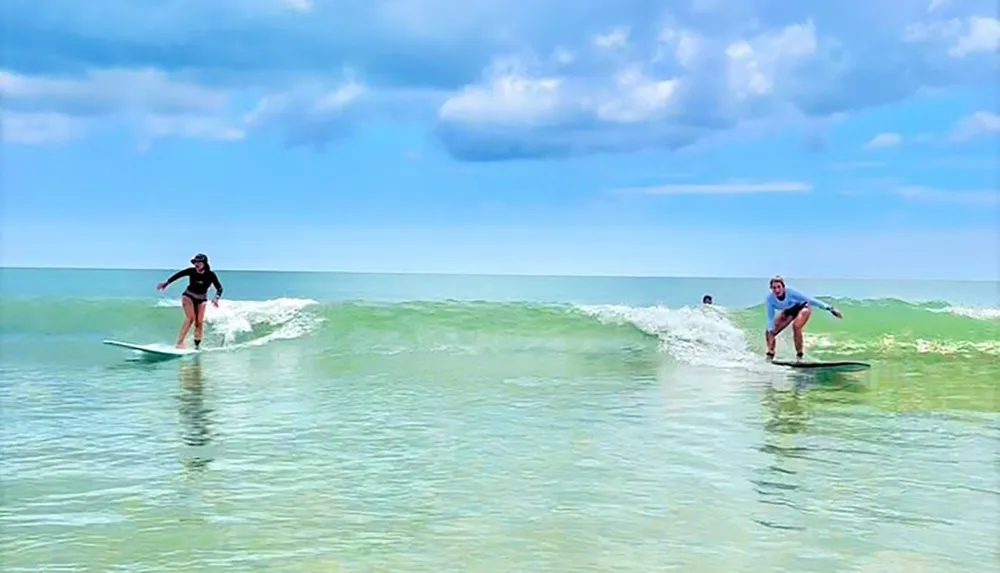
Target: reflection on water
538 467
834 468
779 484
796 428
196 425
787 411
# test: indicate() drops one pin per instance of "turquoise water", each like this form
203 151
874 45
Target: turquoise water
416 423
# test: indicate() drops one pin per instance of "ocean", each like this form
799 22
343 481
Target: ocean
365 422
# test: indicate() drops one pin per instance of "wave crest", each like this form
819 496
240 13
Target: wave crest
700 335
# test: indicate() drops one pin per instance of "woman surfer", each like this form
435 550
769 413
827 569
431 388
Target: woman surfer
200 277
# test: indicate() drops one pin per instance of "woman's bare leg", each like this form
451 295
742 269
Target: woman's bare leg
780 323
199 323
188 320
797 326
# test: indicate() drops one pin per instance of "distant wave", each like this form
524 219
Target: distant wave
706 335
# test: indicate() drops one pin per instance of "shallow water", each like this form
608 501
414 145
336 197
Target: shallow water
493 437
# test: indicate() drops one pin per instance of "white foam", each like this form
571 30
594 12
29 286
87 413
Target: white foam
889 343
979 313
924 346
234 317
701 335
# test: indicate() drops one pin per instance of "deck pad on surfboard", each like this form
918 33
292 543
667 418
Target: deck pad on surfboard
155 348
835 366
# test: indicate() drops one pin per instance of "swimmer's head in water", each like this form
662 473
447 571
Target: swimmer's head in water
707 299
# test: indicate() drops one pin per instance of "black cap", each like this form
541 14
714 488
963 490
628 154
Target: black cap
199 258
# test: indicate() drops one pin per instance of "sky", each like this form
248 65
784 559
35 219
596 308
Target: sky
618 137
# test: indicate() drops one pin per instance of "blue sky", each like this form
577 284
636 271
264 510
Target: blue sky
695 137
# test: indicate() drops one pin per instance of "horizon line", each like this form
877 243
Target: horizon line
503 274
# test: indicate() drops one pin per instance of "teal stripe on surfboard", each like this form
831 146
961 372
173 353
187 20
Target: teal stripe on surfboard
832 366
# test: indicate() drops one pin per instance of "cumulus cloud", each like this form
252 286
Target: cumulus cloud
41 109
492 80
299 5
935 4
38 128
517 111
941 196
108 91
884 140
616 38
978 124
507 96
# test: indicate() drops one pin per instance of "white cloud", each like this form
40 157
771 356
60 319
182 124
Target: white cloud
755 65
975 125
965 37
298 5
199 127
965 198
636 97
612 40
508 97
653 82
607 111
936 30
512 97
316 113
147 98
686 46
884 140
563 56
40 128
111 90
340 97
983 35
720 188
438 21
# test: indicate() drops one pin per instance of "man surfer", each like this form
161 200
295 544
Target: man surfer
794 307
200 277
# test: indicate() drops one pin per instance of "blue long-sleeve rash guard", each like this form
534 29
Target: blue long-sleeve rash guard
792 298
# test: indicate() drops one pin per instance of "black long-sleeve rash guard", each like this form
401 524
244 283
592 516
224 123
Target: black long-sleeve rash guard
198 283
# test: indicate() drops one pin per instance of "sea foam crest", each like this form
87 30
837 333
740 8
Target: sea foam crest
701 335
235 317
981 313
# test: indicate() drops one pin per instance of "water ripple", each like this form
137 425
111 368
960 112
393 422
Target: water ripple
270 460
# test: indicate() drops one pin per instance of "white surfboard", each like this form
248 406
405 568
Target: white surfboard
155 348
